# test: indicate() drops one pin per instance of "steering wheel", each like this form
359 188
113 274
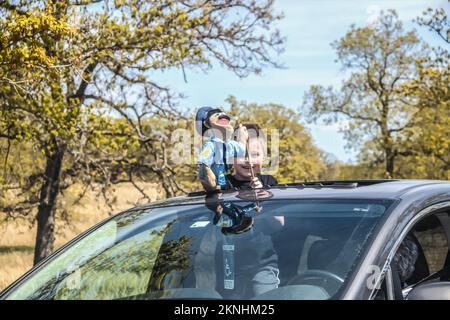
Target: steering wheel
325 279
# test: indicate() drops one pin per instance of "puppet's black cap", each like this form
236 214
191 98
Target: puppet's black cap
202 115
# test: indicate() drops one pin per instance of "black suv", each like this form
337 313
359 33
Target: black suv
319 240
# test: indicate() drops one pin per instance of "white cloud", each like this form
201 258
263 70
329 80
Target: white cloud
373 12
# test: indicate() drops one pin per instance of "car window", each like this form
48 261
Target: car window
290 249
101 265
119 271
431 237
422 253
44 284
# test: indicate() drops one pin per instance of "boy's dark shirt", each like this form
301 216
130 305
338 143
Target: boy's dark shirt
254 249
266 179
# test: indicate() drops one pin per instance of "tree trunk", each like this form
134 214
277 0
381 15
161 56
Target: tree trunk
389 153
45 236
390 156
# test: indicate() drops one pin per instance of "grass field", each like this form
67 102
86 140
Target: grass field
17 238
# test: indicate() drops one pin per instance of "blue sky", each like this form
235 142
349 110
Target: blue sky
309 26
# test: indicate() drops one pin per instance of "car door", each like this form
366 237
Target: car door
422 257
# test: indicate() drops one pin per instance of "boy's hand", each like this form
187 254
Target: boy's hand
242 134
255 183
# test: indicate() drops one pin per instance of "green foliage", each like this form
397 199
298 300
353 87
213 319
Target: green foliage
76 85
91 65
428 141
420 145
437 22
395 102
22 34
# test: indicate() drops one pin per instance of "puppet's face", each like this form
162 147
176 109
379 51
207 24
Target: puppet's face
220 120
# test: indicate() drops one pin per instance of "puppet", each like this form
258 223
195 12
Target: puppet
219 148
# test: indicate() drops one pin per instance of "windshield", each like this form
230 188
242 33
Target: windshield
289 249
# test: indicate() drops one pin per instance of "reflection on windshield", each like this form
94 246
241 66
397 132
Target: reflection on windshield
253 248
258 272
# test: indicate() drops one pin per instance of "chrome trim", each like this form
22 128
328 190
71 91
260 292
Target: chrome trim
390 285
406 291
386 270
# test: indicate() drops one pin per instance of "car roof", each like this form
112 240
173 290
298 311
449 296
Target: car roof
343 189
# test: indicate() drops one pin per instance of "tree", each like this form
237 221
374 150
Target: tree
437 22
428 140
20 44
87 100
299 159
332 164
379 58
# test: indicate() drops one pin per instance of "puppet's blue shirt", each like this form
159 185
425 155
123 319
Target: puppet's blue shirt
212 156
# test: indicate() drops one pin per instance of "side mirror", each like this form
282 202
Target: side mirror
430 291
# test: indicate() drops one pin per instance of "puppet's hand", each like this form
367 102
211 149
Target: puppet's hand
207 178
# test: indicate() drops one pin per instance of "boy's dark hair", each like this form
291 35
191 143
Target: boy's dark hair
255 131
253 127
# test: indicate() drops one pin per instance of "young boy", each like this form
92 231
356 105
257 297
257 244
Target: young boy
246 261
247 169
251 267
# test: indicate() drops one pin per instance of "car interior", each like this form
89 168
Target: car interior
314 254
314 257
